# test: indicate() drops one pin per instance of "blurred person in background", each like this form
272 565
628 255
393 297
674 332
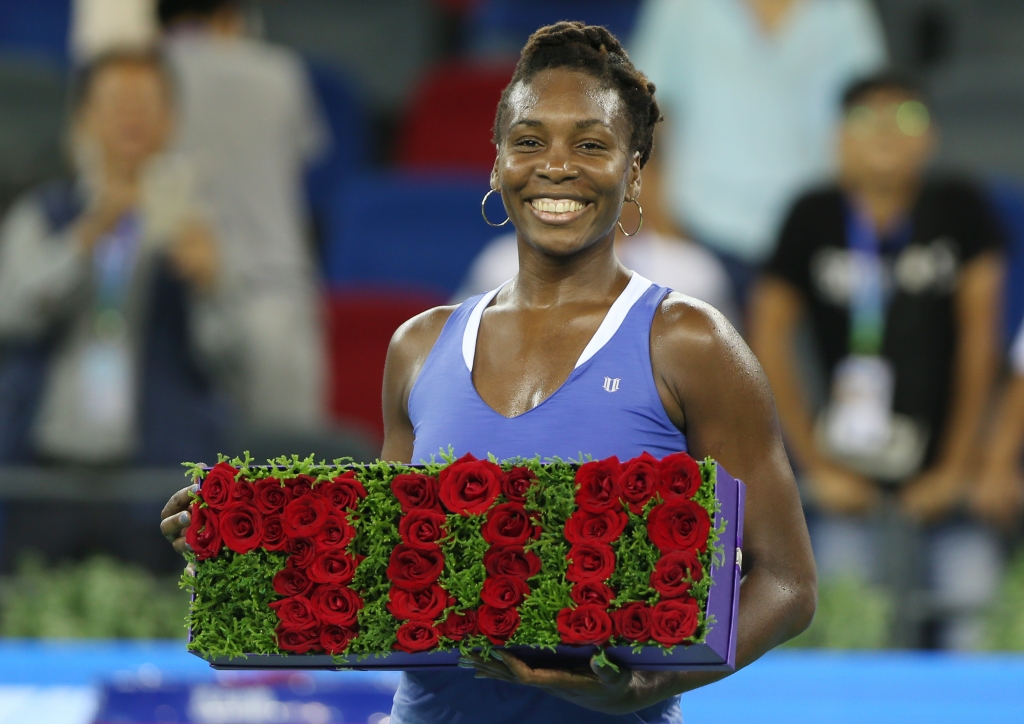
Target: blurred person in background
250 123
651 247
749 89
999 495
103 280
899 275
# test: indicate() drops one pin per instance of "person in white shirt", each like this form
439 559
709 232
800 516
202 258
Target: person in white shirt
250 124
750 90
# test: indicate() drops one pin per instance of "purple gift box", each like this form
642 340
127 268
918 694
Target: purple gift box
717 653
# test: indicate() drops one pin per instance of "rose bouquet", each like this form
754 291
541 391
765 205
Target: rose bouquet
359 563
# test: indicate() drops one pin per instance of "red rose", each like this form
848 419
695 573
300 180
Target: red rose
241 527
586 527
678 524
633 621
673 621
415 490
459 625
421 528
639 481
412 569
468 486
675 572
335 639
274 538
305 516
271 496
216 486
592 592
299 486
426 604
297 640
497 624
336 604
343 492
243 491
504 591
334 566
680 476
590 562
508 524
295 612
203 533
301 552
511 561
586 624
416 636
336 533
515 483
599 489
290 582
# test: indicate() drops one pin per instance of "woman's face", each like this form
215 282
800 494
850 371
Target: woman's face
565 167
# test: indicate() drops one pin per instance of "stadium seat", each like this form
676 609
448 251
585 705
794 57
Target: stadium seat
501 27
1008 201
346 119
406 232
448 124
359 327
35 26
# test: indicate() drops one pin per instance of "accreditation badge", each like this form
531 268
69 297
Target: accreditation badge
858 427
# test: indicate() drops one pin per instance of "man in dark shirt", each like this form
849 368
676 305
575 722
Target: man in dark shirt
898 274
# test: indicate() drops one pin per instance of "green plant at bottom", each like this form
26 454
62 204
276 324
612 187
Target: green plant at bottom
1004 629
96 598
851 615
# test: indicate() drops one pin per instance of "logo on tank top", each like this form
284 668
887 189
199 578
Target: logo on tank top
612 384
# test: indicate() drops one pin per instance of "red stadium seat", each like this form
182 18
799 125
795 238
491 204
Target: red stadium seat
448 124
359 327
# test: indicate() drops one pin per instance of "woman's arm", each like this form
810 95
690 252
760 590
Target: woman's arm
717 390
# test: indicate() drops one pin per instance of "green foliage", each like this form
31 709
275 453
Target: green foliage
96 598
852 614
1005 620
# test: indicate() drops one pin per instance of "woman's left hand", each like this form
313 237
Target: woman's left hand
600 688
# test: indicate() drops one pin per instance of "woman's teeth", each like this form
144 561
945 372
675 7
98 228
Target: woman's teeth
557 206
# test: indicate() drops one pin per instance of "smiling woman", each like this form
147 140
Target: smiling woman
578 355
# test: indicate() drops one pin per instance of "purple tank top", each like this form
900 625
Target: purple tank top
609 405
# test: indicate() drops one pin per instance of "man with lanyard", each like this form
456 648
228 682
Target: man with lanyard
898 275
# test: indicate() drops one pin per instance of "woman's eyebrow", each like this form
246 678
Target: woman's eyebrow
530 122
591 122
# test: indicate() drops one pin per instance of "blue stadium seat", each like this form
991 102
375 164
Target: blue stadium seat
414 232
346 118
35 26
1008 201
501 27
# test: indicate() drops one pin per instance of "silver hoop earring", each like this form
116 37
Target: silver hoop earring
640 225
483 210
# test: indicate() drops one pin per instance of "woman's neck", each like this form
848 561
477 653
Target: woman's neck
545 280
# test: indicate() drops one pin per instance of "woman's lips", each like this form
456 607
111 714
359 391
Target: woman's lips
558 211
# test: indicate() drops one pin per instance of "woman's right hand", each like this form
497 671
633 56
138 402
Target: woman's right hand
838 490
175 518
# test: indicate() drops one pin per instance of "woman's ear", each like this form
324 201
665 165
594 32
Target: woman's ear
633 183
494 168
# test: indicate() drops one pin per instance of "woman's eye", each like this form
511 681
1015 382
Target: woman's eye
591 146
528 142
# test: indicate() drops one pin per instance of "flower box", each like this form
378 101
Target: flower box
387 566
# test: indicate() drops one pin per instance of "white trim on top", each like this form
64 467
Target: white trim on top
609 325
616 315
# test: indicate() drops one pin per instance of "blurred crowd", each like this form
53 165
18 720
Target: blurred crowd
220 268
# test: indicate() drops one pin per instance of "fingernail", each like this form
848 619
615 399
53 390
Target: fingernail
463 664
194 488
189 547
184 517
498 656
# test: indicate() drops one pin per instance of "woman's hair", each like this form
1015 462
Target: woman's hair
594 50
84 78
